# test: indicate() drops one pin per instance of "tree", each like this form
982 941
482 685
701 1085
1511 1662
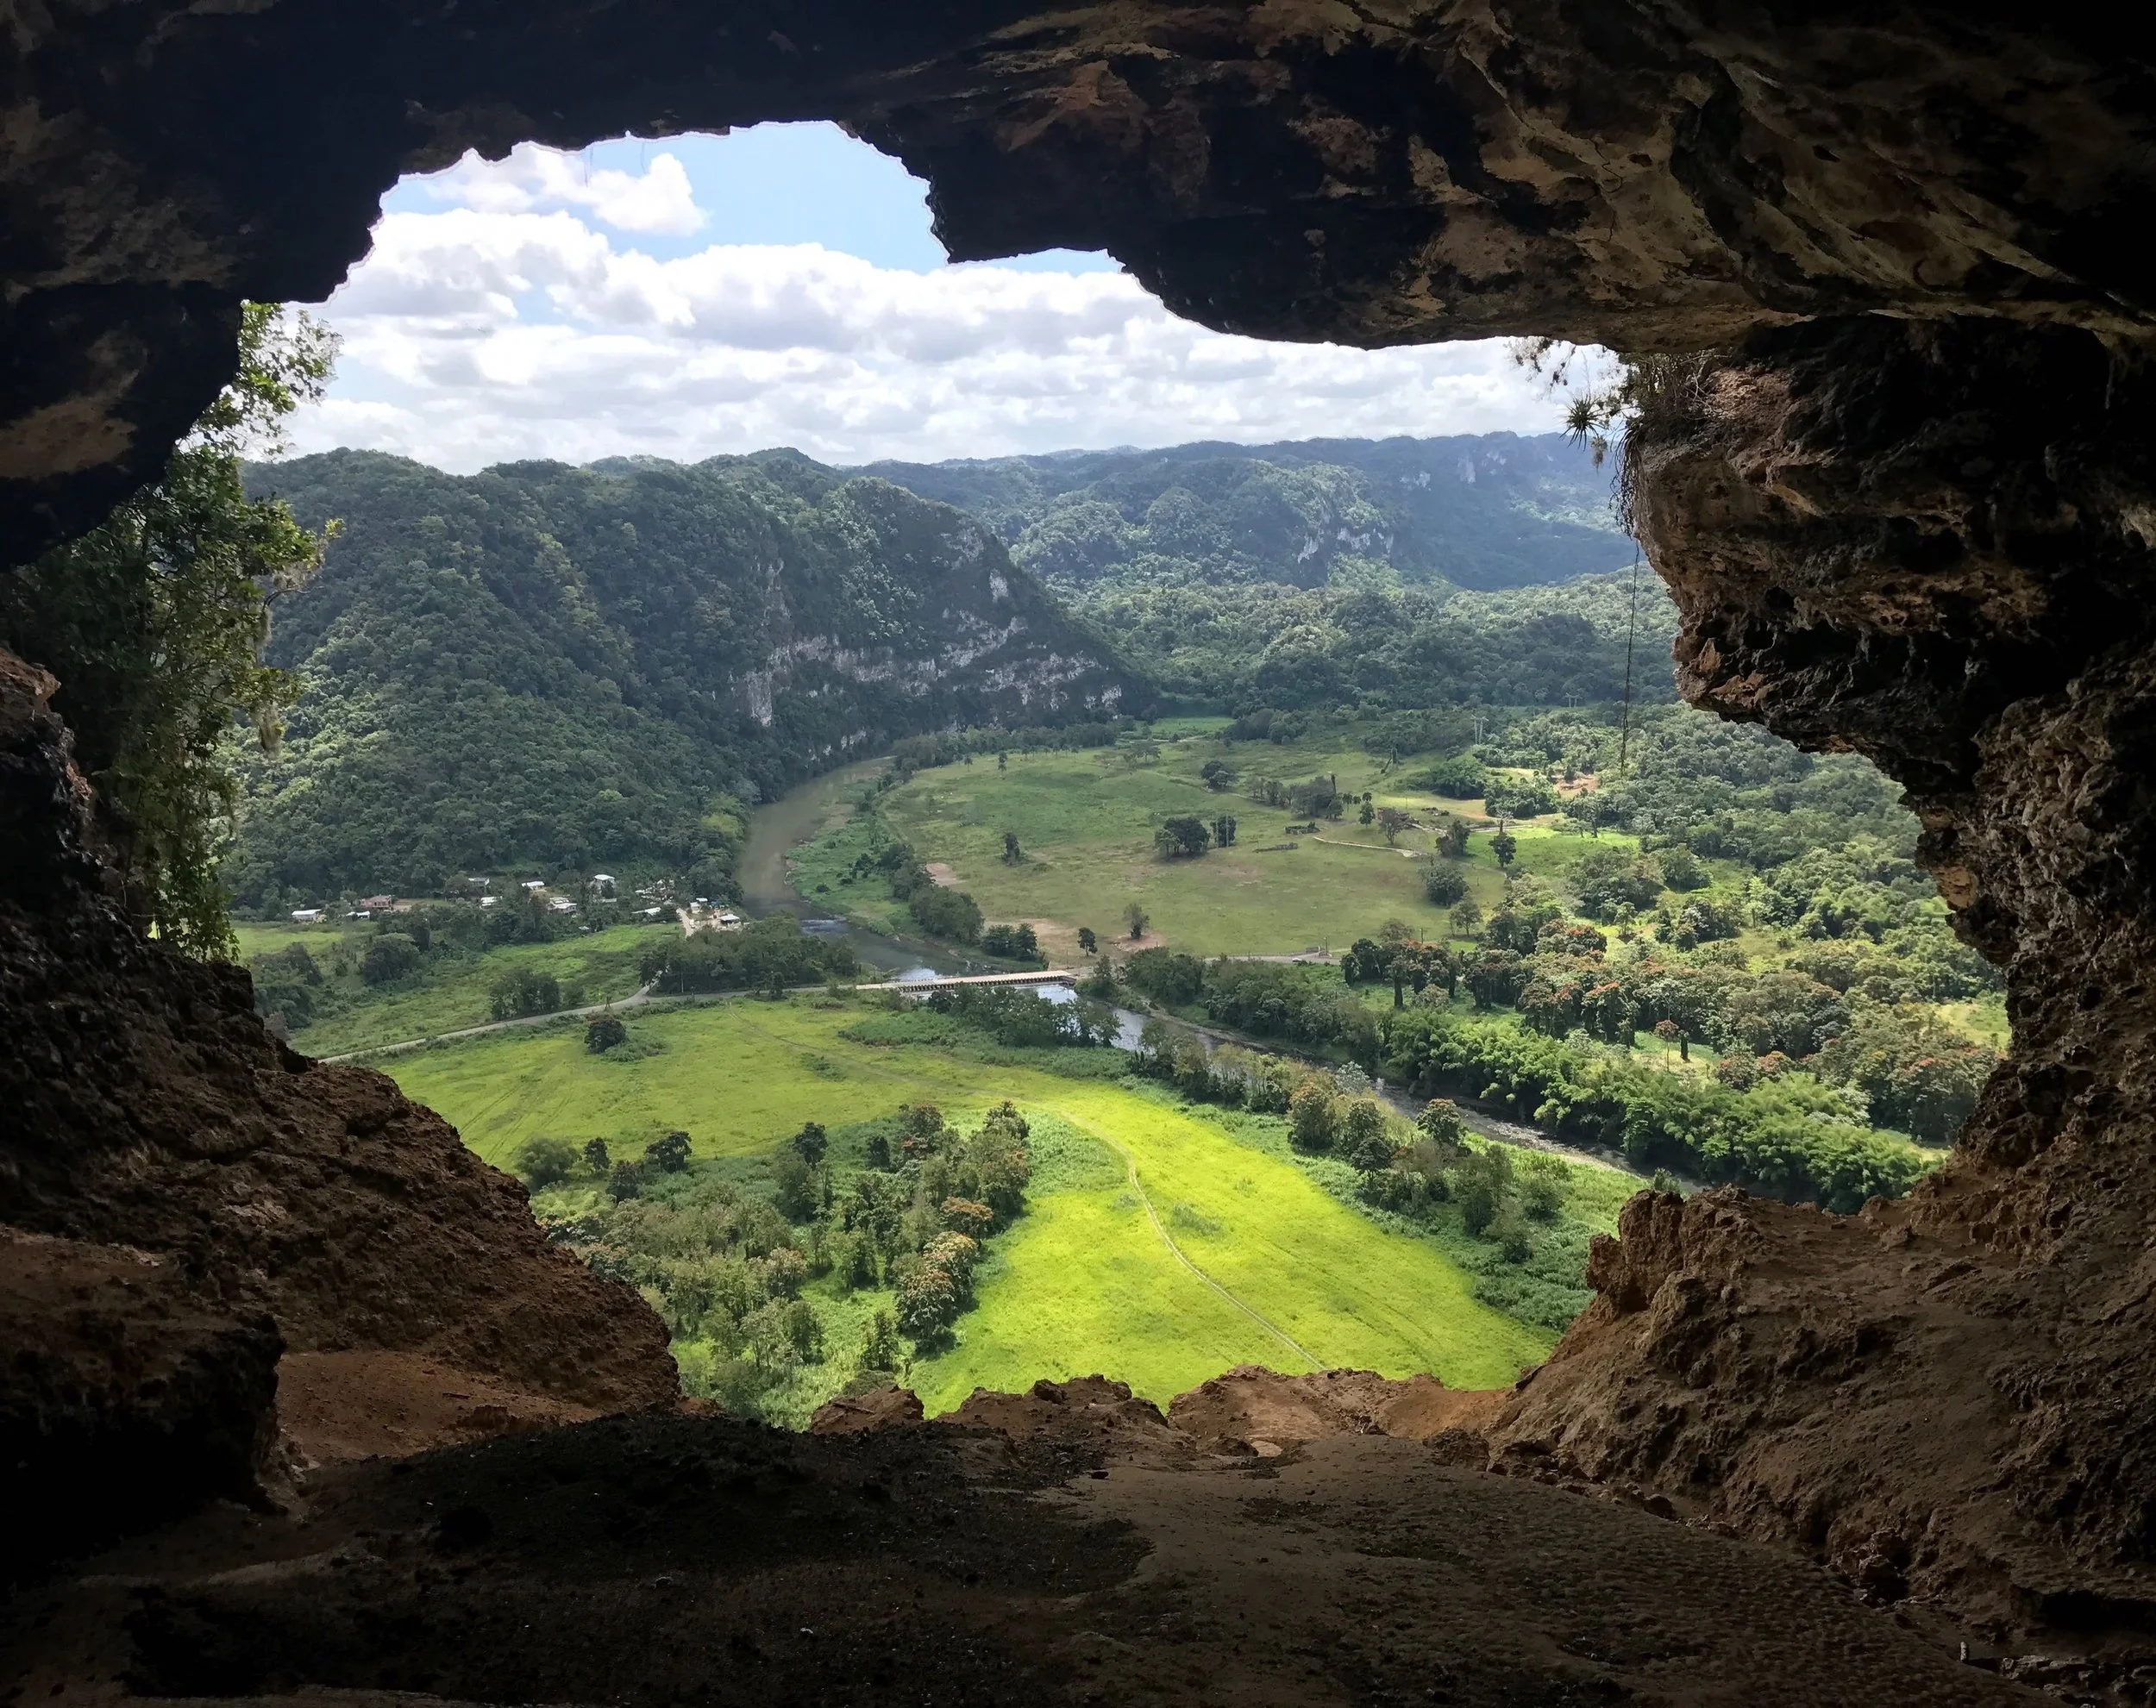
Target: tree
1003 760
1363 1141
1086 941
1217 774
1136 918
595 1156
794 1186
880 1348
605 1032
545 1162
1505 846
1012 854
1224 830
1440 1122
669 1155
1443 883
1365 814
153 622
1452 839
1313 1115
1466 919
810 1143
1183 837
1391 821
627 1181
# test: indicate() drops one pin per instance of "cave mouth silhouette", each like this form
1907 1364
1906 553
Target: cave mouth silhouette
1901 499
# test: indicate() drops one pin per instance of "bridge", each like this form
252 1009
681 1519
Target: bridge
1047 975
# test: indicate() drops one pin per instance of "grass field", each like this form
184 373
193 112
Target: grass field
451 988
1161 1246
1085 822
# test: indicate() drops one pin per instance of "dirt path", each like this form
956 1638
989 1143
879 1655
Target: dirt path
1130 1165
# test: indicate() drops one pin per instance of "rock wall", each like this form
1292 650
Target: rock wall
1933 544
1647 174
280 1205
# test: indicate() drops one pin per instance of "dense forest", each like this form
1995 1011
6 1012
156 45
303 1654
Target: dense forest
564 667
1485 512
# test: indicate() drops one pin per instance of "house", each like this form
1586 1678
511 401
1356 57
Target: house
488 901
649 912
531 883
603 882
728 920
305 915
379 904
561 904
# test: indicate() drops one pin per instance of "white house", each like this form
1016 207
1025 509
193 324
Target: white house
306 915
531 883
728 920
603 881
488 901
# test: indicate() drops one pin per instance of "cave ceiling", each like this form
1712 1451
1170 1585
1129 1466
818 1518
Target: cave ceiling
1645 176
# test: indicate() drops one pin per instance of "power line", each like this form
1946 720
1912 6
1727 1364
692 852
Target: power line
1631 624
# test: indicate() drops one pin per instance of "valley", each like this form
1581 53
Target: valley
1412 864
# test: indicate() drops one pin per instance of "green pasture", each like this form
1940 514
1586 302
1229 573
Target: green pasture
1084 821
1085 1281
451 989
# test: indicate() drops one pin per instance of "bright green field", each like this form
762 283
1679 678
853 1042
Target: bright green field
1085 1281
1086 821
451 989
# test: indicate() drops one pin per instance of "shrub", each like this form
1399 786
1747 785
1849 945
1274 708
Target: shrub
794 1187
1011 943
595 1156
951 915
524 990
670 1154
627 1181
605 1032
1461 778
1518 798
546 1162
390 955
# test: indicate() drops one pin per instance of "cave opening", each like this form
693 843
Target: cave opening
1902 510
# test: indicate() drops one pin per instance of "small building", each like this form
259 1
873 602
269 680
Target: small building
603 882
488 901
561 904
305 915
728 920
379 904
649 912
531 883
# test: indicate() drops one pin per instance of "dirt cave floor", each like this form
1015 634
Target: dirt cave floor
665 1560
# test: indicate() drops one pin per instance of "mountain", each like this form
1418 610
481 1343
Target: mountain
555 667
1483 512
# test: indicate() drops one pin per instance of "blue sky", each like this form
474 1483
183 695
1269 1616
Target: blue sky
698 295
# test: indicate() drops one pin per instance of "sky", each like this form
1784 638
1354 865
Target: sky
781 285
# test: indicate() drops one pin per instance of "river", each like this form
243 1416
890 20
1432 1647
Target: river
800 816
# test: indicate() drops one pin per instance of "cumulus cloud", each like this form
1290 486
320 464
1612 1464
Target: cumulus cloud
658 198
490 332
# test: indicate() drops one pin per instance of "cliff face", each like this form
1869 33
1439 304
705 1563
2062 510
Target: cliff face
1648 175
583 658
1931 544
210 1200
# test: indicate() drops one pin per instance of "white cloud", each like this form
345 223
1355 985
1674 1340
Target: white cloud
657 199
490 332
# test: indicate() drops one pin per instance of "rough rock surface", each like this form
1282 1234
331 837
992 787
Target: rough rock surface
1250 1408
1645 174
880 1408
147 1107
665 1560
1086 1410
122 1401
1933 544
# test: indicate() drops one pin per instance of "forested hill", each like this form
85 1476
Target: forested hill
1488 511
574 667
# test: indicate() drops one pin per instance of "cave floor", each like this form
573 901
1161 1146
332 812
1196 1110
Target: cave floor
665 1560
